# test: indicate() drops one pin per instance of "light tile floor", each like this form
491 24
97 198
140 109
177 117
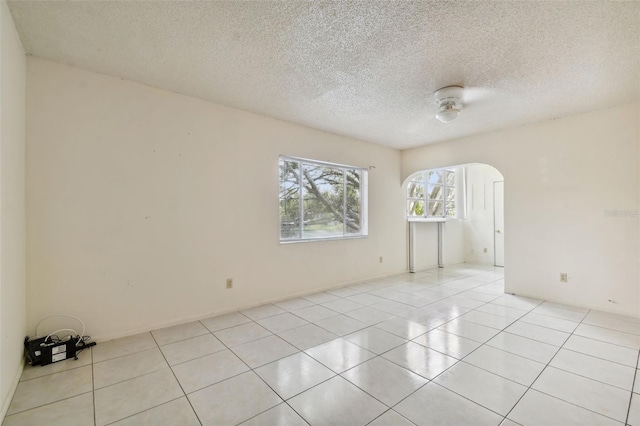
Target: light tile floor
443 346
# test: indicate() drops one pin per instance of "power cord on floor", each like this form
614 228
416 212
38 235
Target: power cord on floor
52 348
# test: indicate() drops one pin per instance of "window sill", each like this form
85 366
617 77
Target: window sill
432 219
313 240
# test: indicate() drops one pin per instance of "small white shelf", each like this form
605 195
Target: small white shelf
428 219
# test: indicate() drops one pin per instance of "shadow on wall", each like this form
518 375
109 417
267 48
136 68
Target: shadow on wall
455 214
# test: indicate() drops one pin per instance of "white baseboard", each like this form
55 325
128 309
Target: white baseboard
12 391
203 315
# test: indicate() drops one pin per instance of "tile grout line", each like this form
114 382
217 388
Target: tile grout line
184 394
604 341
535 340
456 363
131 353
93 364
570 334
148 373
597 357
585 314
337 374
257 375
411 340
552 366
591 378
250 370
534 380
363 390
459 317
48 403
394 316
144 411
263 381
635 377
52 373
613 329
158 347
576 405
391 409
544 369
284 401
53 402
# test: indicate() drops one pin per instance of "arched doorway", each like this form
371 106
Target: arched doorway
455 215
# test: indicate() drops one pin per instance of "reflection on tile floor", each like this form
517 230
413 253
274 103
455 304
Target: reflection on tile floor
442 346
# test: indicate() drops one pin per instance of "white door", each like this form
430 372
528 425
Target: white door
498 223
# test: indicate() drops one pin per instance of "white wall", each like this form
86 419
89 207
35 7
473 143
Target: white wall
12 207
479 226
453 242
560 177
142 202
426 244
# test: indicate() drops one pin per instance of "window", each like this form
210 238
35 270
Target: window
432 194
321 200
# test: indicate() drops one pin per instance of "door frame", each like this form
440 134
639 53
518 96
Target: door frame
494 223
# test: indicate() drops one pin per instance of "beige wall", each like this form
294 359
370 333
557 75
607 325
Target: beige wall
560 177
12 207
142 202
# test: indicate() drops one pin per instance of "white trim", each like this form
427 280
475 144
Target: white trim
364 199
459 186
323 163
12 391
201 316
430 219
364 203
412 251
310 240
494 221
440 246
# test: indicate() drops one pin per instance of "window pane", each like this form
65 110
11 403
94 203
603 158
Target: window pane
289 200
354 204
451 177
418 178
451 210
415 190
451 193
435 177
415 208
323 202
434 192
435 208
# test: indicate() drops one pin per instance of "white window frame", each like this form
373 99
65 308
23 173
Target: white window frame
457 201
364 189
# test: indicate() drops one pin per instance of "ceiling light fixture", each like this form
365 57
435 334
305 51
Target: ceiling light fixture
449 100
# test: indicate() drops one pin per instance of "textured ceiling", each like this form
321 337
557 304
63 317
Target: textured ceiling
365 69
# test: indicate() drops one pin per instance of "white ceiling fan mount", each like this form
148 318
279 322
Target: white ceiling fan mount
449 101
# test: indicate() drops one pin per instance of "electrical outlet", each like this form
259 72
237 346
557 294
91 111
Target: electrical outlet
229 282
380 259
485 250
564 278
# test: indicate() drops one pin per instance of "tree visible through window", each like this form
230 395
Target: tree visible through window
321 200
432 193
